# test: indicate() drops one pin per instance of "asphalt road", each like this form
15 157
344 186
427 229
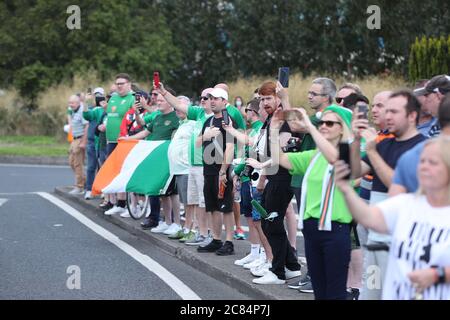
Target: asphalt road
46 253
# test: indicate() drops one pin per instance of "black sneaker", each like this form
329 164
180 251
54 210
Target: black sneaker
148 223
226 250
211 247
352 294
106 206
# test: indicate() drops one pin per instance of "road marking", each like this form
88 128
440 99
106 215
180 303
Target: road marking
2 201
34 166
172 281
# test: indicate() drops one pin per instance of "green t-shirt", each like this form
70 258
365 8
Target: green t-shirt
300 162
117 107
162 126
198 114
94 114
149 117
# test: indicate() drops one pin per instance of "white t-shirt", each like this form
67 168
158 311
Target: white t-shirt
179 148
420 239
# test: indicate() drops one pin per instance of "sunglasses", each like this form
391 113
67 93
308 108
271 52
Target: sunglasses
329 124
339 100
247 110
204 98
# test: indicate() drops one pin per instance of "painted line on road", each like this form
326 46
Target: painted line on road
34 166
172 281
2 201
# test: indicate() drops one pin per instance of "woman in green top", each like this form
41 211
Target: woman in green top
324 216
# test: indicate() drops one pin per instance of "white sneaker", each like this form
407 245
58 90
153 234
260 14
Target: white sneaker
246 260
173 228
292 274
254 264
269 278
76 191
125 214
261 270
162 226
88 195
115 210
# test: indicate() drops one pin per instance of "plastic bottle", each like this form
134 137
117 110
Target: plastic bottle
260 209
221 193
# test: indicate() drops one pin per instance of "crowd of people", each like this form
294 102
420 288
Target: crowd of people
371 181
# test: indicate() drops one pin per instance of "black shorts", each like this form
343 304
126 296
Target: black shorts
172 189
211 190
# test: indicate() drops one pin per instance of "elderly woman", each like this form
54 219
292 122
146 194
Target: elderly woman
419 257
324 217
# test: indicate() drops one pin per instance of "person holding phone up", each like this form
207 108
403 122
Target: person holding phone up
324 216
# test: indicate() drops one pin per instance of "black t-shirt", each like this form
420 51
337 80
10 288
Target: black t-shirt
391 150
282 172
214 150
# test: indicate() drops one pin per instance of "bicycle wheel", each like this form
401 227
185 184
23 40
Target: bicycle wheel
135 205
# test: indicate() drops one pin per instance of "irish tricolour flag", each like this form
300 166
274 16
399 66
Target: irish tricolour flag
135 166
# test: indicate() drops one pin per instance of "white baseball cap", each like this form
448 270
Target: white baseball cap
219 93
99 90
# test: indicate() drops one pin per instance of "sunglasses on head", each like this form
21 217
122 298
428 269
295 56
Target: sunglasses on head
328 123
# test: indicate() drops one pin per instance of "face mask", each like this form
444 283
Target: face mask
238 103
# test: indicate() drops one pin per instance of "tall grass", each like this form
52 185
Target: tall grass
299 86
51 116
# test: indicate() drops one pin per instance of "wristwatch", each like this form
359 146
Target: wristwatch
441 274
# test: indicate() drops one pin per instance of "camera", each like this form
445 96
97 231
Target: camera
248 172
293 145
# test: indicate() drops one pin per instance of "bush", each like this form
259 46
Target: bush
429 57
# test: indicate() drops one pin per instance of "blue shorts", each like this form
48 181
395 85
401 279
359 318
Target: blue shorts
248 193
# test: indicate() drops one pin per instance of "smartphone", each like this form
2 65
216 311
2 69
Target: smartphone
283 76
226 117
156 79
292 115
363 108
137 98
344 154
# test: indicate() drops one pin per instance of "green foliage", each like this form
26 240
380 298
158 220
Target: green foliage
114 37
197 43
429 57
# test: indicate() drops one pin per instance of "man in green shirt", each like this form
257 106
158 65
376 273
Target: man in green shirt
118 105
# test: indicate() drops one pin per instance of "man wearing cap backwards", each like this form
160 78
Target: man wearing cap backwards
402 114
405 177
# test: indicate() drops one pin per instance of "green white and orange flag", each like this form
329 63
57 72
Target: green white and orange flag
135 166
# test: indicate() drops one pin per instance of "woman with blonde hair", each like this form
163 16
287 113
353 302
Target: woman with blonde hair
324 217
419 257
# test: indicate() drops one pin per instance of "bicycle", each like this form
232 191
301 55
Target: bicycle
138 205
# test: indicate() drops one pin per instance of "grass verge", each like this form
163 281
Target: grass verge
32 146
